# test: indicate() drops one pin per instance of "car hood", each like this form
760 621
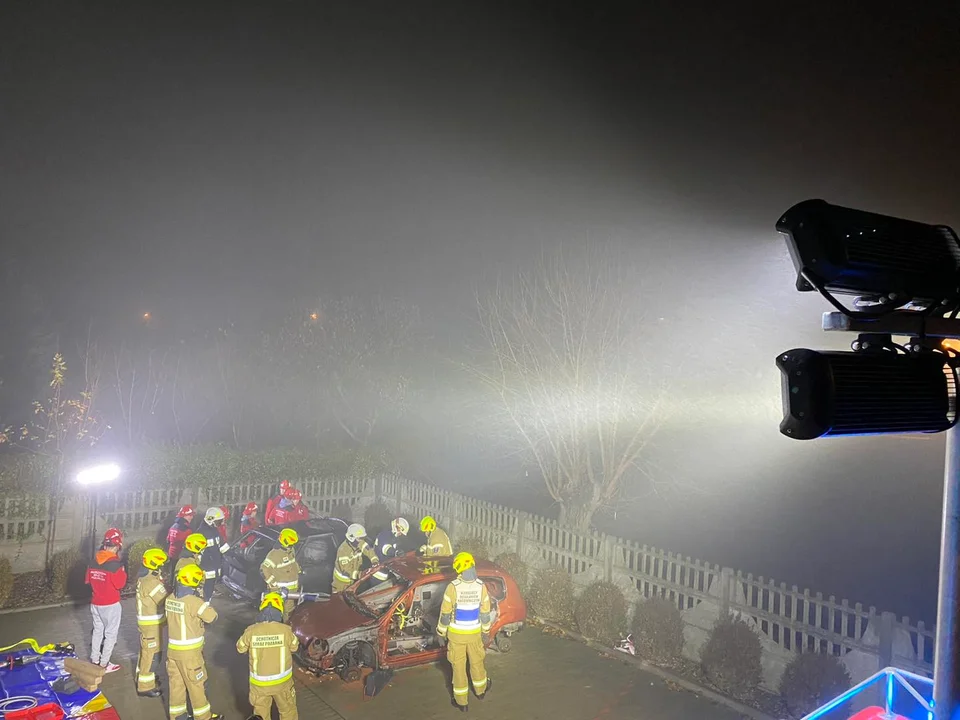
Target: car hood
327 619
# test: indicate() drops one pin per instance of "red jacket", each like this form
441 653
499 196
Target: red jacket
280 515
106 576
271 504
177 534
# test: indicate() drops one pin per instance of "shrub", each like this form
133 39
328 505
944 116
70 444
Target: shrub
6 579
731 657
810 680
376 518
342 510
135 557
473 545
551 596
517 569
601 612
65 572
658 630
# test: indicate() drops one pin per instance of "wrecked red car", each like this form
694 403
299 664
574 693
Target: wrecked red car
392 622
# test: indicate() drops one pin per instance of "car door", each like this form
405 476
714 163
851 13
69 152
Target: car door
417 642
316 556
242 564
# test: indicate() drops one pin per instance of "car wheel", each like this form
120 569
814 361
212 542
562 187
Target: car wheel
502 642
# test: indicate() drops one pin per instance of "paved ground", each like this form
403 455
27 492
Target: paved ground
542 677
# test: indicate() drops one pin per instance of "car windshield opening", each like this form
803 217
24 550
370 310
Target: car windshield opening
377 594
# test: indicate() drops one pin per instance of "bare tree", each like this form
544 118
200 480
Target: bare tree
139 383
564 362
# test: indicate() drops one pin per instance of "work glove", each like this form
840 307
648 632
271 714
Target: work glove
485 637
442 639
423 549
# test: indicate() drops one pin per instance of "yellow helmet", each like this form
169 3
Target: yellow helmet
154 559
463 561
195 542
288 537
190 575
428 524
272 600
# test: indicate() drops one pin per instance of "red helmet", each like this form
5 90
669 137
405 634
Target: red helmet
185 511
226 512
250 508
284 486
113 538
294 494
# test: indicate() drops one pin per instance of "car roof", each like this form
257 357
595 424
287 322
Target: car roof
411 567
307 528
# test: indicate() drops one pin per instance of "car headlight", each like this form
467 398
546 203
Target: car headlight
317 648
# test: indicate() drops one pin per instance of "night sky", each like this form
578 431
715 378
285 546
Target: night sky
210 161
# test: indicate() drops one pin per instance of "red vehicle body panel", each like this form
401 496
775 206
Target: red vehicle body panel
332 619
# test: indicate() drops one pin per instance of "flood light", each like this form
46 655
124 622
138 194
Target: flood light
864 393
99 474
893 262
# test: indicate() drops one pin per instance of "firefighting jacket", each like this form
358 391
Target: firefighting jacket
465 609
185 622
271 646
350 560
438 544
150 596
389 545
280 569
176 535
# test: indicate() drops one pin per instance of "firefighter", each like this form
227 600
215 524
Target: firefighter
226 521
465 626
106 576
275 500
186 616
248 522
193 548
178 531
350 556
438 543
389 541
151 593
211 559
271 645
280 569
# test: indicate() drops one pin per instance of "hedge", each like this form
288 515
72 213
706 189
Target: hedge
731 658
601 612
658 630
6 579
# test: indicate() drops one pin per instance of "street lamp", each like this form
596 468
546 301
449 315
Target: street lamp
93 477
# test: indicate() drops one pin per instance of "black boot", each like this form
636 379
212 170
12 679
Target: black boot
154 692
482 695
461 708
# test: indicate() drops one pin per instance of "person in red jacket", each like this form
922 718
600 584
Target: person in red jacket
299 511
179 530
275 500
226 521
106 576
248 522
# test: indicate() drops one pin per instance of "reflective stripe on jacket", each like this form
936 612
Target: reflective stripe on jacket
465 609
150 595
270 646
186 618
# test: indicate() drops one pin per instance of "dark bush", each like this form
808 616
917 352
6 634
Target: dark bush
551 596
473 545
731 657
601 612
517 569
810 680
6 579
342 510
376 519
65 573
658 630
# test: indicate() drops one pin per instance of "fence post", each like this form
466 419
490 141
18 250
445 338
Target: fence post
399 497
521 531
887 623
454 517
377 488
607 549
726 590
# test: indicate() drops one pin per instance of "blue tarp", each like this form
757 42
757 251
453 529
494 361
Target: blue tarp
36 680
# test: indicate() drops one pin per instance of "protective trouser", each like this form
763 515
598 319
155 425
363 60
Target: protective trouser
338 586
148 662
284 695
460 650
188 676
209 584
106 625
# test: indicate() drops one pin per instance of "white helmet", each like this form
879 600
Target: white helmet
355 532
213 515
400 526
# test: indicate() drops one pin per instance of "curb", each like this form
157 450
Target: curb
628 659
31 608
